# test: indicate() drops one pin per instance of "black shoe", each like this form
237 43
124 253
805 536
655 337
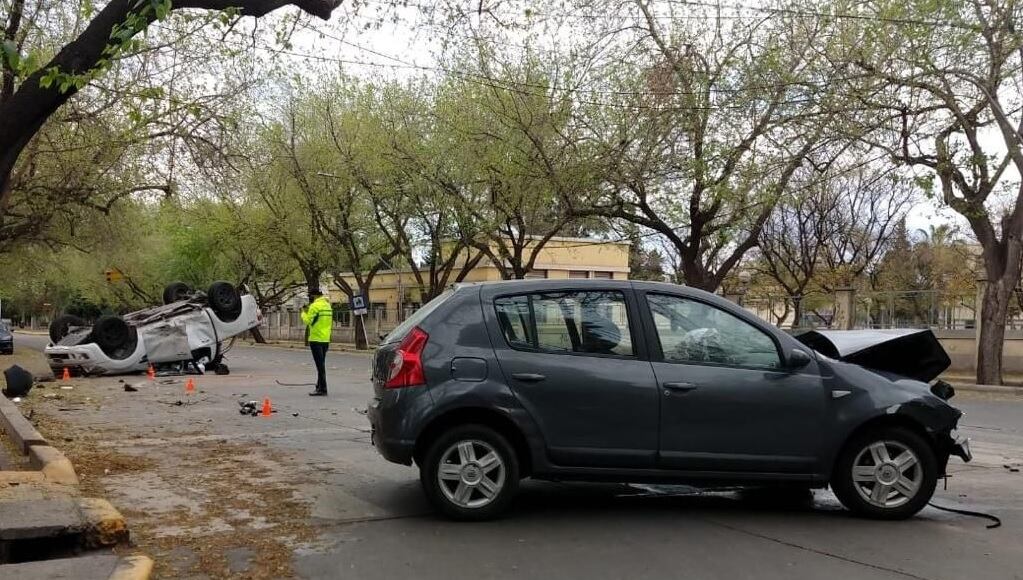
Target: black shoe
318 394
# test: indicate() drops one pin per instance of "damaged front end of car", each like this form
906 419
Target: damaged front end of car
899 369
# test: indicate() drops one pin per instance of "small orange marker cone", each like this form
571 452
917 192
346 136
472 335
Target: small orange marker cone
151 373
267 409
67 374
189 386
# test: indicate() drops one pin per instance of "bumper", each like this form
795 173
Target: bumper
89 359
961 449
392 448
7 347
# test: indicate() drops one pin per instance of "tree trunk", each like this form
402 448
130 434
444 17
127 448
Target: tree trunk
992 330
797 311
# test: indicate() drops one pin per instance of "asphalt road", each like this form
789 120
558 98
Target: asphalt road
374 522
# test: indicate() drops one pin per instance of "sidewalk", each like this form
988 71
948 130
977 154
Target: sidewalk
44 520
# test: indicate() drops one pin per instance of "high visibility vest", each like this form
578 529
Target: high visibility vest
319 317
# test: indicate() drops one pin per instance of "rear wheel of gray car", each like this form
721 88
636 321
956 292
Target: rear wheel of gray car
470 472
888 473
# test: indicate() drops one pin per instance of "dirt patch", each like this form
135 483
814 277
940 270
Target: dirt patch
192 504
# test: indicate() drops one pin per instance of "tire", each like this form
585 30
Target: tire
111 333
61 326
176 292
479 504
225 300
912 485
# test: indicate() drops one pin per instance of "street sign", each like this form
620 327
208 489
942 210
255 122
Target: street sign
359 305
114 275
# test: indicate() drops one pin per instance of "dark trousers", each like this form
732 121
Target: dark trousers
320 358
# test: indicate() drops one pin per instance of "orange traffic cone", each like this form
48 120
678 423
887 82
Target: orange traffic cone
67 374
189 386
267 409
151 373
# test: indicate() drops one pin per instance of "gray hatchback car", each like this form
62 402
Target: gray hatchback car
600 380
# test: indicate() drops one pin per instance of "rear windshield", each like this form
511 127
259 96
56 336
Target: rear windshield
402 329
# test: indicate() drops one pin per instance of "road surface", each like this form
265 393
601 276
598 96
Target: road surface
371 521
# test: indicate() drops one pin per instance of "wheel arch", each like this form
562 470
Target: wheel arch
883 421
492 418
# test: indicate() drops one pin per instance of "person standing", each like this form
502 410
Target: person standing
318 316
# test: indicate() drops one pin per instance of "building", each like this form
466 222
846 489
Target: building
394 293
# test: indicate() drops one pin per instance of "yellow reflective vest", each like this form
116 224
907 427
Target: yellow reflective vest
319 317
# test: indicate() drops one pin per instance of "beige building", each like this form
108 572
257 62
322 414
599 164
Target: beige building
560 258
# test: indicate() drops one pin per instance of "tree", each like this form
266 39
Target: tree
25 107
707 135
940 82
645 263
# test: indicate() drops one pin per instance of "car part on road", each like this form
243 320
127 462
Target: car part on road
225 300
470 472
886 473
19 382
176 292
62 325
996 522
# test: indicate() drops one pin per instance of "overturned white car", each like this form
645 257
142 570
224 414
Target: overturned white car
189 329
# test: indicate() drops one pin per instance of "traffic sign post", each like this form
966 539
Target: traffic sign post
359 309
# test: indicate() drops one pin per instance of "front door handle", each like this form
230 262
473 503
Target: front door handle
679 386
528 377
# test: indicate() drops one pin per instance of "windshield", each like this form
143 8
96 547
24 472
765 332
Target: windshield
402 329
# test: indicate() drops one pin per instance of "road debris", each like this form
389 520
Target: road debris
130 389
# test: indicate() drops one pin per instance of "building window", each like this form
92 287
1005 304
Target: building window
603 275
578 274
535 275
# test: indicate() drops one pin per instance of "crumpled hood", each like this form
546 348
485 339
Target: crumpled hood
911 353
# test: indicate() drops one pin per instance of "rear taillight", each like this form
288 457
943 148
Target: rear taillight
406 367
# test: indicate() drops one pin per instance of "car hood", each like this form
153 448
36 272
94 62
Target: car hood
911 353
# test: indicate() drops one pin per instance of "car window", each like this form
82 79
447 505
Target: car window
595 322
693 332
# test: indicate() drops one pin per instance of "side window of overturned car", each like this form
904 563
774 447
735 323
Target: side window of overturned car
693 332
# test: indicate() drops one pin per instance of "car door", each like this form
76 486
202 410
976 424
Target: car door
572 360
728 402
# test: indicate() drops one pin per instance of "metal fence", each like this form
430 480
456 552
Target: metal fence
812 311
916 309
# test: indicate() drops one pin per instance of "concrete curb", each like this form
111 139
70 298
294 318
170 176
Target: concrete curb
105 525
53 464
17 426
988 389
133 568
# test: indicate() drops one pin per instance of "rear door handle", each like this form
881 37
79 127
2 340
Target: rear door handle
679 386
528 377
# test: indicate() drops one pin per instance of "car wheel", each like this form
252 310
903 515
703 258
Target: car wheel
176 292
470 472
888 473
61 326
111 333
225 301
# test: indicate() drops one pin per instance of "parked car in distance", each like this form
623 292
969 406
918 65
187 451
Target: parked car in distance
600 380
6 339
189 329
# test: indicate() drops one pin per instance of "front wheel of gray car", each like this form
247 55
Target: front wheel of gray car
888 473
470 472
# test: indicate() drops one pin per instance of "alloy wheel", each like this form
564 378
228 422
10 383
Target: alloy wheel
471 473
887 474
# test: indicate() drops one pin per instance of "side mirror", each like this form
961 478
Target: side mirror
799 358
